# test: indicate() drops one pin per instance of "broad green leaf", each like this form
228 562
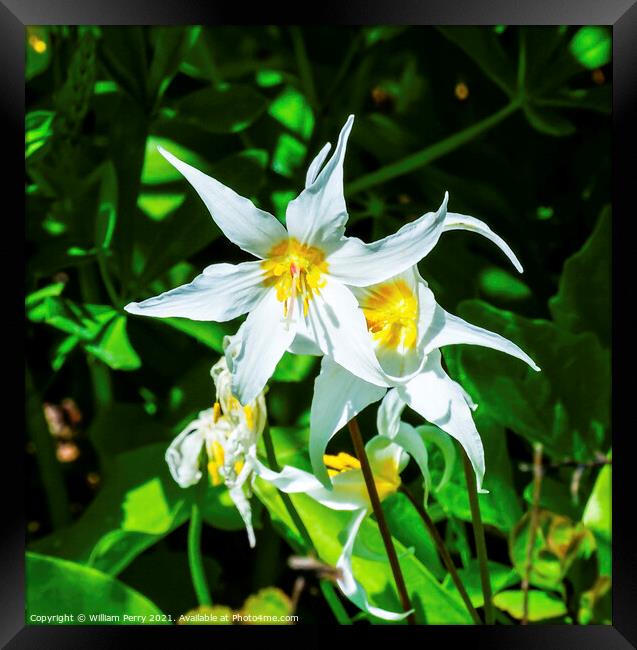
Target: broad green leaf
113 347
548 121
499 284
597 518
542 605
268 602
222 109
292 109
500 575
209 333
582 303
38 130
158 205
56 587
570 418
158 170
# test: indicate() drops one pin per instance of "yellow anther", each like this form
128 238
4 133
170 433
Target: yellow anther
249 413
216 412
391 311
218 454
341 462
238 466
213 471
295 270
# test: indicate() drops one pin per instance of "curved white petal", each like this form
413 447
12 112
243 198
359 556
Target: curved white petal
255 231
303 345
433 434
318 215
337 325
411 441
389 412
440 400
359 264
338 397
222 292
455 221
347 495
242 504
386 459
257 347
315 165
447 329
182 456
348 584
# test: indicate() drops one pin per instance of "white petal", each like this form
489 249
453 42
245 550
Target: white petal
242 503
433 434
257 347
411 441
304 345
455 221
337 325
318 215
255 231
389 412
386 459
359 264
222 292
447 329
439 399
315 165
295 481
183 453
338 397
350 587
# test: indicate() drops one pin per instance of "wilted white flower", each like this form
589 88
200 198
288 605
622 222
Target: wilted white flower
228 433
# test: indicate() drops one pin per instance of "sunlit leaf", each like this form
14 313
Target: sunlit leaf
542 605
592 46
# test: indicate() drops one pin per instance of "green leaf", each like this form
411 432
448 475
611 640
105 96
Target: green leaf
113 346
107 208
570 418
597 518
501 577
222 109
592 46
270 601
292 109
57 587
123 52
209 333
542 605
483 47
548 121
38 130
294 367
499 284
157 169
582 303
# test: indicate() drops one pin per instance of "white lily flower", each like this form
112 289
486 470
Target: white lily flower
347 491
299 284
407 328
228 432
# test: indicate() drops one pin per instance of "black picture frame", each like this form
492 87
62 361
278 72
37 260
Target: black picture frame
620 14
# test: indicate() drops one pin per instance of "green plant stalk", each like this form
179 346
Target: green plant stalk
195 560
359 448
303 63
430 153
50 471
108 283
478 534
535 517
444 554
327 587
100 374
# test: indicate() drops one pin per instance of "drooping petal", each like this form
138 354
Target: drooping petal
439 399
222 292
359 264
411 441
432 434
389 412
386 460
447 329
338 397
348 584
315 165
182 456
455 221
257 347
318 215
242 503
347 496
337 325
255 231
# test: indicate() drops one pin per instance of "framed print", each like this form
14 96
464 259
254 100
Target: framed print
320 322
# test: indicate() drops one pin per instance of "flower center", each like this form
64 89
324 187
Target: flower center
391 312
295 270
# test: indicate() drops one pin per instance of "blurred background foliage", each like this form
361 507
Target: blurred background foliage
513 122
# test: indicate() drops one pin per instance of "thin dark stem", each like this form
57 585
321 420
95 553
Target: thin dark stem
359 447
535 513
478 534
327 586
444 554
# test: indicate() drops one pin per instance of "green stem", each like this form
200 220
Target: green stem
444 554
478 533
535 517
303 63
359 448
108 283
326 586
195 560
430 153
50 470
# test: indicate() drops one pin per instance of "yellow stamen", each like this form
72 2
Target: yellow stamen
391 311
341 463
213 471
238 466
216 412
249 413
295 270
